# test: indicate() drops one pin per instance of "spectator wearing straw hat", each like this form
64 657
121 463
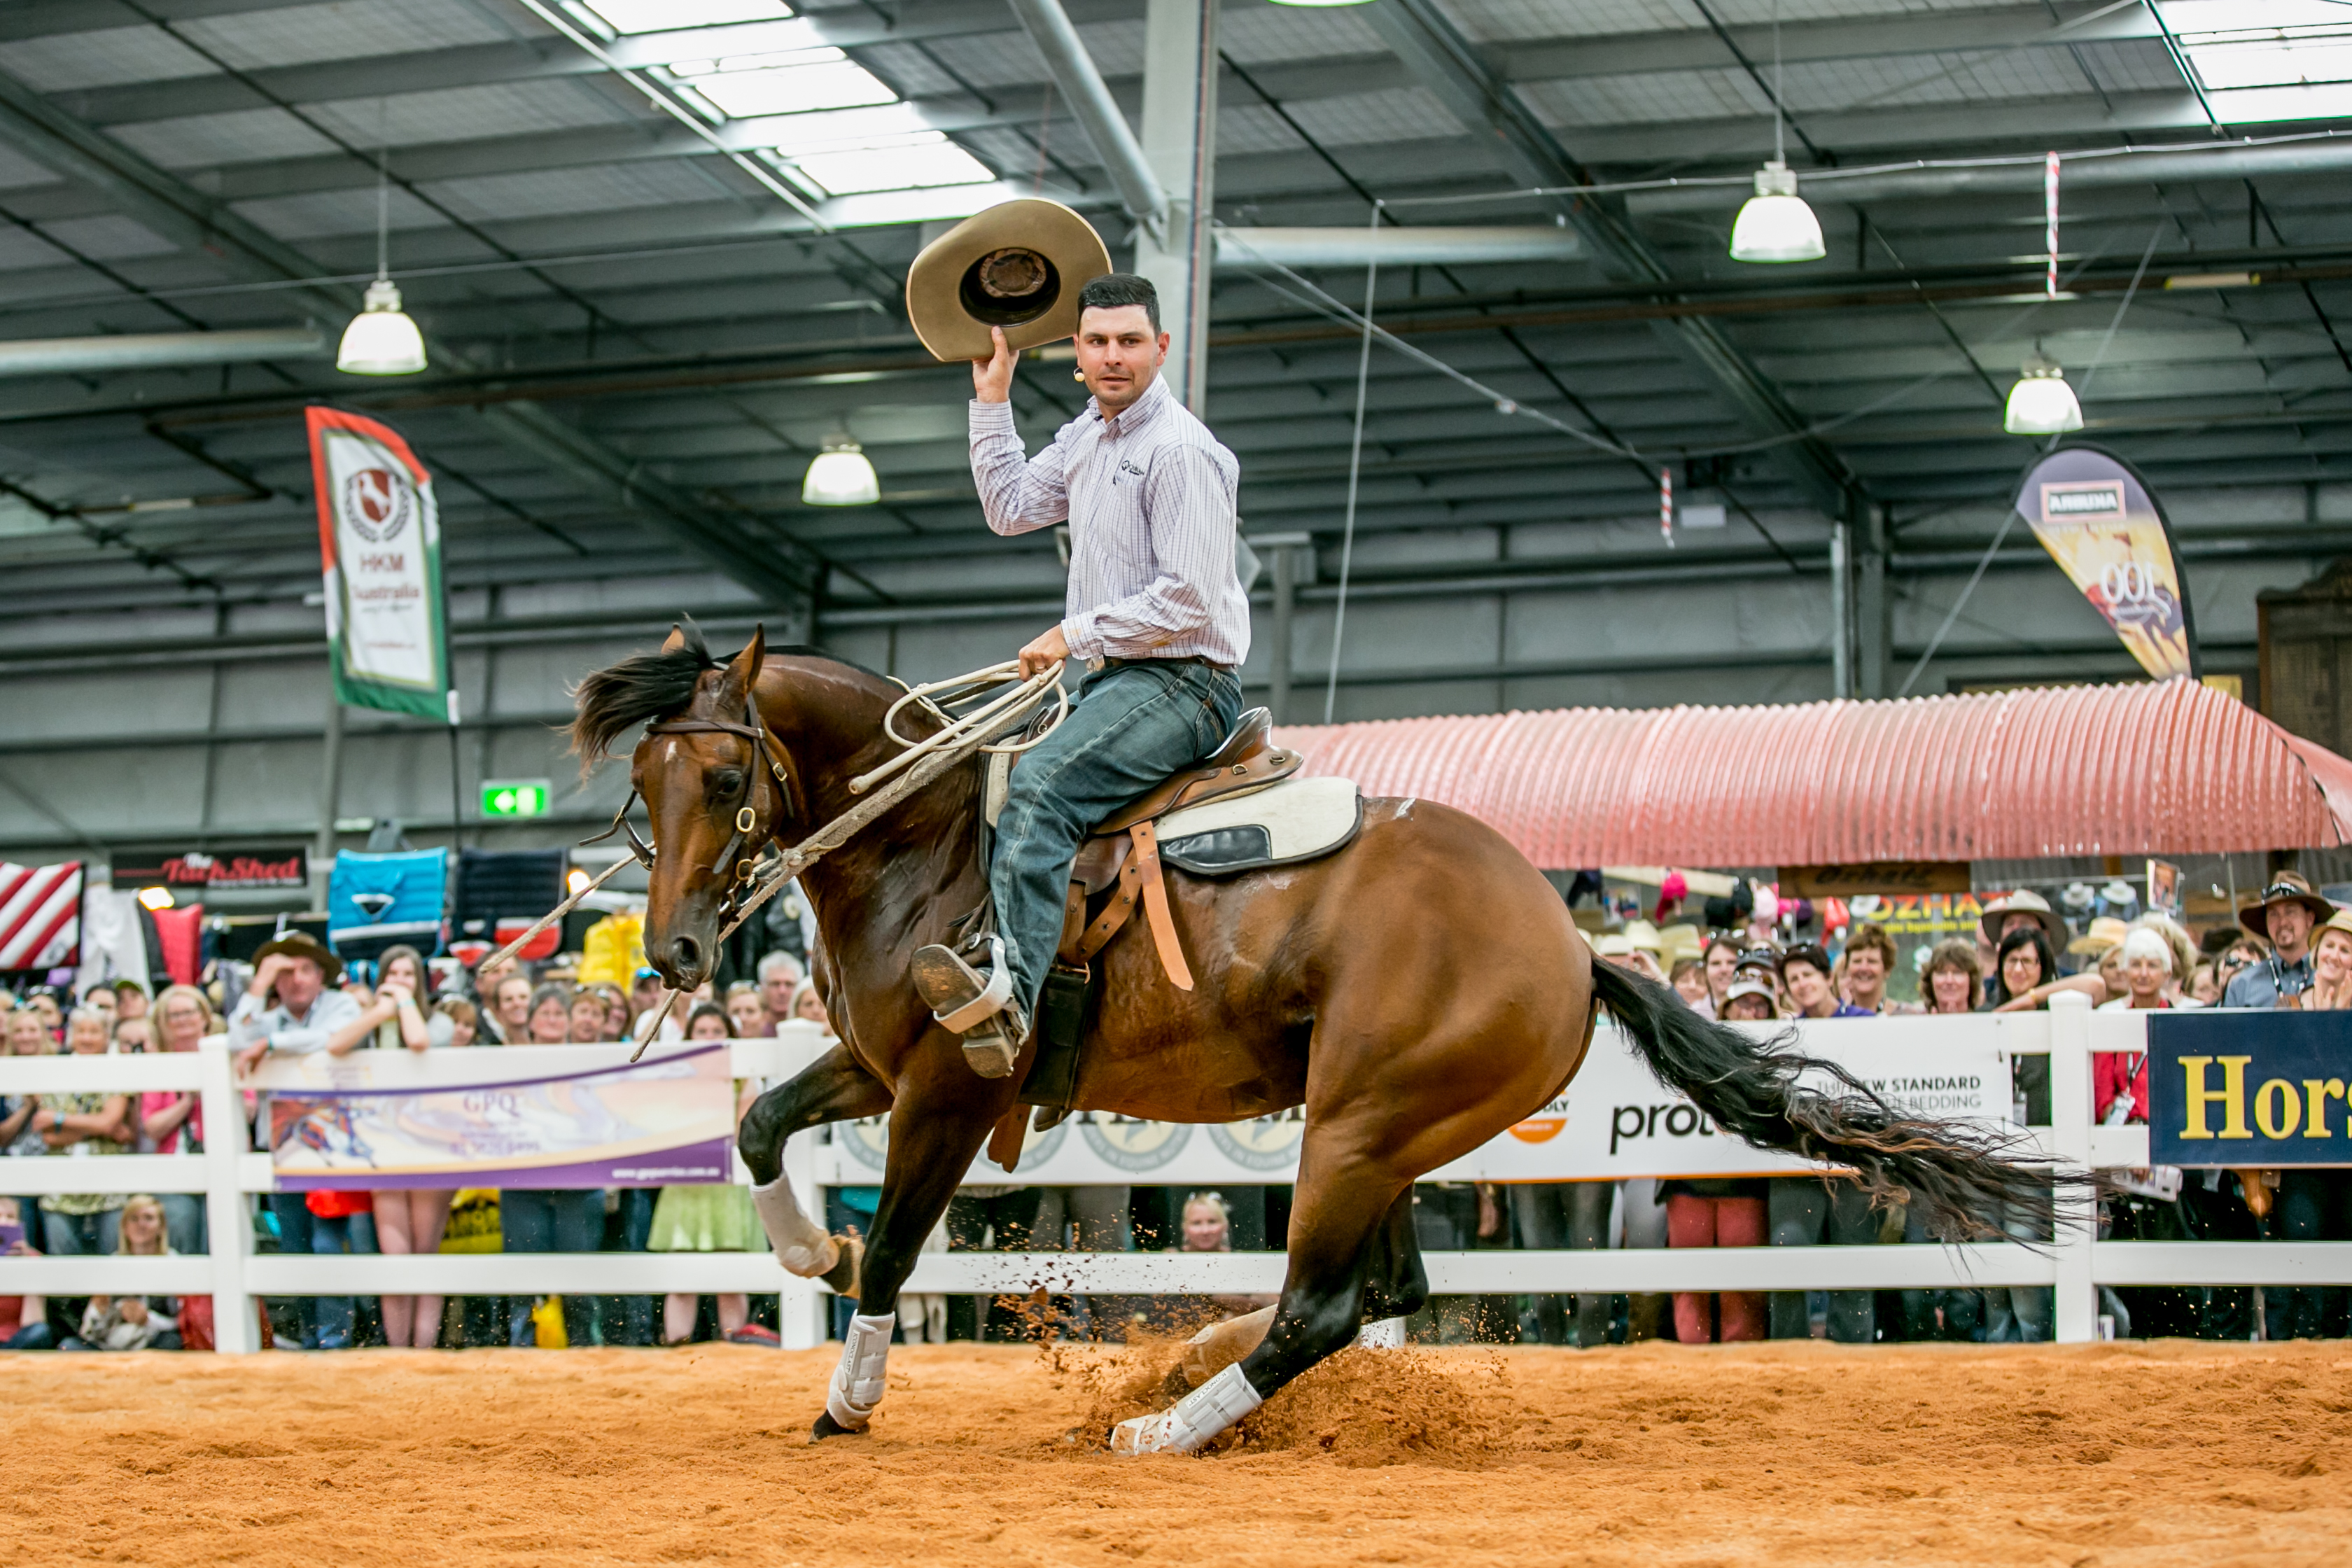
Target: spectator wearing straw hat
2285 915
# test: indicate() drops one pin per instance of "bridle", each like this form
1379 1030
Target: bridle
755 825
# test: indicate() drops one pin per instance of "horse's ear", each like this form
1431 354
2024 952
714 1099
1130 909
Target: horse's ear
676 639
745 669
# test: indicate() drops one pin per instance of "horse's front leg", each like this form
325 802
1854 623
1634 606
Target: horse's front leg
833 1087
936 1130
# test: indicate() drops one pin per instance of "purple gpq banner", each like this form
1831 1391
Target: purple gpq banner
664 1122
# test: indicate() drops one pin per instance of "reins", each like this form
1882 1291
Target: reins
753 883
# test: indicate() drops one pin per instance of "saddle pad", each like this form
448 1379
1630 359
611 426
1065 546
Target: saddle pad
1296 819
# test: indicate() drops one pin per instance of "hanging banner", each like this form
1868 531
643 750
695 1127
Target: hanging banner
2102 524
40 915
380 546
668 1120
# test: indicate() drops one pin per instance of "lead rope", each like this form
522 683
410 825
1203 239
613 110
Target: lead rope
961 740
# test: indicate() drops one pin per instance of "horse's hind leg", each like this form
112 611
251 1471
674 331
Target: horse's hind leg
833 1087
1332 1224
1395 1286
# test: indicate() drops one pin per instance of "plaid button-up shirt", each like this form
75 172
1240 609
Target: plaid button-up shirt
1149 496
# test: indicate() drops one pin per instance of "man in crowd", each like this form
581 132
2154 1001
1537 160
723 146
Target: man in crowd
291 1008
1805 970
2285 915
780 976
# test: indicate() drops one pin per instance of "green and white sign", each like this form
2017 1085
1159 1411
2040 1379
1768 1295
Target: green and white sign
516 797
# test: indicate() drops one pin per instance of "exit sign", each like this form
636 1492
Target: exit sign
515 797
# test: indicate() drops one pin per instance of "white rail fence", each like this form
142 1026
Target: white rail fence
233 1274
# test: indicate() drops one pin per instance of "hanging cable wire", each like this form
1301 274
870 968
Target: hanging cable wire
1355 469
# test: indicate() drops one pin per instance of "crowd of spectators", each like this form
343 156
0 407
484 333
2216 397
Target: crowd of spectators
2292 950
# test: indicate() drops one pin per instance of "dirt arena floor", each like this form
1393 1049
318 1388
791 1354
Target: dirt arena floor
1796 1453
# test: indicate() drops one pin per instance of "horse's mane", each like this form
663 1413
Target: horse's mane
657 685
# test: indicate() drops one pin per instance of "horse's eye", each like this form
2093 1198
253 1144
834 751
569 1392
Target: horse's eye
724 783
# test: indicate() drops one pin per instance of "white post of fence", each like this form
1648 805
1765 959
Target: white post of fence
804 1308
2070 1136
235 1329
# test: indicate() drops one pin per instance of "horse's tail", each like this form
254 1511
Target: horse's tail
1959 1181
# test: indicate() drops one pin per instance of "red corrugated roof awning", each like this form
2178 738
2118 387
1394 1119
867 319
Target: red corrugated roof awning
2174 768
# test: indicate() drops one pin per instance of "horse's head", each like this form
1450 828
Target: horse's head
715 785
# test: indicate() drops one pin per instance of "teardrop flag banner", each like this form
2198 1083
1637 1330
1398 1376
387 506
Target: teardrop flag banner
380 546
2102 524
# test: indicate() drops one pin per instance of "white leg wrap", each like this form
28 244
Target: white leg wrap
1187 1427
801 1245
858 1381
1387 1334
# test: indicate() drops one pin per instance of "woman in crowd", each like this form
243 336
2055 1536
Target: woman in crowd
2025 977
2331 965
454 1023
616 1010
172 1120
2119 1081
132 1322
18 1136
1688 977
406 1221
1721 958
710 1217
807 1005
512 998
548 1020
24 1319
747 1011
587 1018
2204 987
1954 980
551 1219
1720 1212
1208 1226
78 1224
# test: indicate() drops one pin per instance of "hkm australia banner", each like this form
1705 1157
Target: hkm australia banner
380 543
2101 524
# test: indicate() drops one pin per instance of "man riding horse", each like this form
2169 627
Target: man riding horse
1155 610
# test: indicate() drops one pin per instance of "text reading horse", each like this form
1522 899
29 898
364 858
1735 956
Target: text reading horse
1418 992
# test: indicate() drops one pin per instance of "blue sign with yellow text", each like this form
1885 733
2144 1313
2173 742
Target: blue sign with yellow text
2248 1088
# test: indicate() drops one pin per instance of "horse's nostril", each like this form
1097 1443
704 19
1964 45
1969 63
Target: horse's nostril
686 954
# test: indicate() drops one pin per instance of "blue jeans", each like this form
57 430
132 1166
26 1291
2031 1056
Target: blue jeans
81 1235
554 1220
1131 727
332 1235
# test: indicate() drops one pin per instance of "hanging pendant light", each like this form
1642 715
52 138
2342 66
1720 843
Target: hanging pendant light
2041 404
841 476
1775 224
380 340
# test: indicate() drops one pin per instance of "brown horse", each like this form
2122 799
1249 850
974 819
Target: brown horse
1419 992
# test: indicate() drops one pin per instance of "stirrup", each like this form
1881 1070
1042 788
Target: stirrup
959 998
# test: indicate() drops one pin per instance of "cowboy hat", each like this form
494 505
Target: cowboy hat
2022 902
2286 888
302 944
2107 931
1019 265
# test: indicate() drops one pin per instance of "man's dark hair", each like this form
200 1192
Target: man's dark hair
1113 290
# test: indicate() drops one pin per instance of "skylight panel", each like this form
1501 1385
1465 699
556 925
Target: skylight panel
2293 42
669 15
790 83
919 160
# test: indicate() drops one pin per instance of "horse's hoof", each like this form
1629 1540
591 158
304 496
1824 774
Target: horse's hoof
826 1426
842 1277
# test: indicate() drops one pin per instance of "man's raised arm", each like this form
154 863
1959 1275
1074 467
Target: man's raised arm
1017 494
